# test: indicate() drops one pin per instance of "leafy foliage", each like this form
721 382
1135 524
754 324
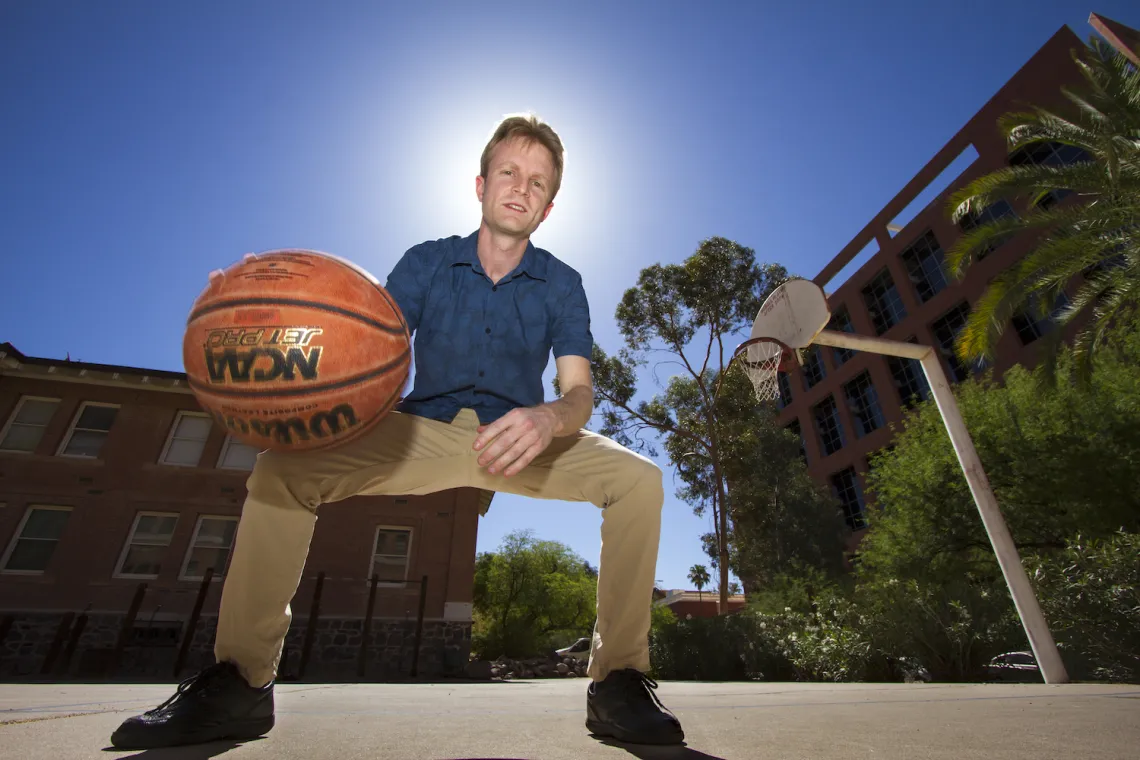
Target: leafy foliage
699 577
1091 597
684 312
1061 461
531 596
1092 240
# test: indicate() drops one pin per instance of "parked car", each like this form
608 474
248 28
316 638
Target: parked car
1017 667
580 650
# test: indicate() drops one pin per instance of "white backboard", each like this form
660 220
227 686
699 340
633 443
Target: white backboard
794 314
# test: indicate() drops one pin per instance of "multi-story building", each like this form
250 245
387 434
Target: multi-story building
842 403
118 495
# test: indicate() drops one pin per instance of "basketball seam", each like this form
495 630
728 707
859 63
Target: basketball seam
401 330
309 389
395 307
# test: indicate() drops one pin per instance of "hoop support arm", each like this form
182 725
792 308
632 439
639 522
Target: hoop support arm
1017 580
837 339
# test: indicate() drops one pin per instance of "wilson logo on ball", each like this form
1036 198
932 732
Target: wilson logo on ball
318 425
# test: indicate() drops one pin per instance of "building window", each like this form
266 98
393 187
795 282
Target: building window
841 322
883 302
992 213
785 388
864 404
26 426
89 430
946 329
827 426
909 379
925 265
237 455
31 550
794 429
813 368
391 553
210 548
845 486
187 439
1048 154
146 545
1031 324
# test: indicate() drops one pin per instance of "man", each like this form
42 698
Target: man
486 312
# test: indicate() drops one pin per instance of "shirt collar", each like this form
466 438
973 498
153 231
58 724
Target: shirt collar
467 253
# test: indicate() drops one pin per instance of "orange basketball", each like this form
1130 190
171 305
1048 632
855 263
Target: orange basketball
296 350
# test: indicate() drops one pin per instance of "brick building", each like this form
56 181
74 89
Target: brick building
843 403
118 492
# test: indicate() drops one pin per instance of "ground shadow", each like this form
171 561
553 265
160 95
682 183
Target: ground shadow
188 752
658 752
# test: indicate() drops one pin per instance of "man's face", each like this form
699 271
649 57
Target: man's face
516 192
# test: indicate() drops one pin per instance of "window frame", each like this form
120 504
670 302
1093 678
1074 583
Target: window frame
60 451
220 464
840 434
182 413
12 420
190 547
118 572
873 309
854 521
869 396
16 538
407 558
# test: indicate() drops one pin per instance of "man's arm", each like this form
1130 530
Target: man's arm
573 410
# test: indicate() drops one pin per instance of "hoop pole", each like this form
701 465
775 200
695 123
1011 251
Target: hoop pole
1032 619
1016 579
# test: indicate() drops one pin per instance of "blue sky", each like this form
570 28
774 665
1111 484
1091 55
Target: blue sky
145 144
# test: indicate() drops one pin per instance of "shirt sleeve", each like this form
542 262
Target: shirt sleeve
408 284
571 334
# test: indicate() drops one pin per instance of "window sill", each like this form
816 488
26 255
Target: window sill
25 456
125 577
182 468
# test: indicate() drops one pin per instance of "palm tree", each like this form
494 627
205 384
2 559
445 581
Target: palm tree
1095 156
699 577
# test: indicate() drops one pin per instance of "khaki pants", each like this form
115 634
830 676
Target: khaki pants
408 454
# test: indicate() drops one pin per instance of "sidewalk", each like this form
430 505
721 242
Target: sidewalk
545 719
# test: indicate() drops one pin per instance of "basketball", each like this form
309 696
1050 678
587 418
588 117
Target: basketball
296 350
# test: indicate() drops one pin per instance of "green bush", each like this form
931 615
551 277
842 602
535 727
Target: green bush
1090 594
724 648
951 626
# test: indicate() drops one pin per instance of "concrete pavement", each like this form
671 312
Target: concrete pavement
544 719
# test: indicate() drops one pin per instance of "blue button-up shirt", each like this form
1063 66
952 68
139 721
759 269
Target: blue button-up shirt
482 345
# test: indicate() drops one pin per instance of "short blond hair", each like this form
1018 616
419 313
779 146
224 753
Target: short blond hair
527 127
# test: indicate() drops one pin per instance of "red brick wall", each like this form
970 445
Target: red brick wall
105 495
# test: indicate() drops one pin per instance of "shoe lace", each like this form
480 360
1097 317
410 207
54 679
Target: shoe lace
199 684
636 684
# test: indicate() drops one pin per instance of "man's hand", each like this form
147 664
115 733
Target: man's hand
512 442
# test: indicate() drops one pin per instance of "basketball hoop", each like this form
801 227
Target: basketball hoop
763 359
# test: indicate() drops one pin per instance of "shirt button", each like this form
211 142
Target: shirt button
480 373
494 287
487 330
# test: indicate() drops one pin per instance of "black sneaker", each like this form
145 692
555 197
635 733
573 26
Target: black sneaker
215 704
624 706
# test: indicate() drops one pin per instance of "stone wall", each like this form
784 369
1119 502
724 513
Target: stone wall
444 649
